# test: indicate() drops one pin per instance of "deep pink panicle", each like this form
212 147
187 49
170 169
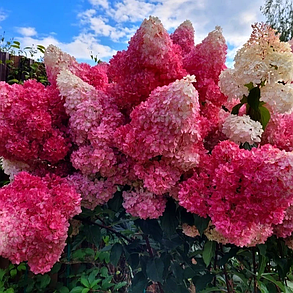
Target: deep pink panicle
28 124
151 60
34 219
242 191
184 37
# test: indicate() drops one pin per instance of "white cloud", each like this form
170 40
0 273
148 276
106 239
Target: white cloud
235 19
81 47
131 11
3 15
27 31
99 25
103 3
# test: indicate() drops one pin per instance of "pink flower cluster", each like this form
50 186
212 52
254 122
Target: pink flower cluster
279 131
144 204
151 60
30 115
94 192
242 191
34 214
150 119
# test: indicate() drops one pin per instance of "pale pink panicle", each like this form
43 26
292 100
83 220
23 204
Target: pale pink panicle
144 204
158 176
164 125
74 90
151 60
34 216
213 234
94 192
190 231
91 160
289 242
56 61
184 37
12 168
86 116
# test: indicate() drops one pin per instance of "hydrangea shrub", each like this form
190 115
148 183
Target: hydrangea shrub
164 120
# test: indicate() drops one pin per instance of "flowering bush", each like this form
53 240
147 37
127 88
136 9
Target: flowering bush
164 131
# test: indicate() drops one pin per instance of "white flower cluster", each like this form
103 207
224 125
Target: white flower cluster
241 129
284 94
263 61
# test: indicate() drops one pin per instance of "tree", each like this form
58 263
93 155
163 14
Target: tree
279 15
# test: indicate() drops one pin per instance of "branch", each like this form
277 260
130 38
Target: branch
105 227
254 271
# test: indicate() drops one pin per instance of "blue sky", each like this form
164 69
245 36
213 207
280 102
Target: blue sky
102 27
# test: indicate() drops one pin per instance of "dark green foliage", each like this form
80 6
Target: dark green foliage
279 15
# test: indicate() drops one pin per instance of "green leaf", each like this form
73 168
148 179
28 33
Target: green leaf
169 221
171 285
77 289
14 80
106 284
45 281
56 268
41 48
104 272
116 202
201 223
235 109
92 277
265 116
232 252
249 86
95 282
155 269
116 252
2 274
85 290
150 227
93 234
262 265
84 281
133 260
202 281
119 285
253 98
269 277
138 283
63 290
208 251
212 289
262 287
178 272
13 273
